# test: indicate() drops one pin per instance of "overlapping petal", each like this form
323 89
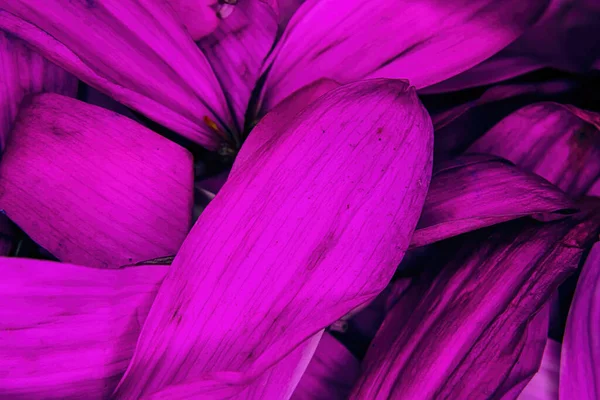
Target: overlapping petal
313 227
460 334
407 39
68 332
544 384
93 187
136 51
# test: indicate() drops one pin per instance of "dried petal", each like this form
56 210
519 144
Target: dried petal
68 332
559 143
579 374
93 187
475 191
347 41
460 334
137 52
328 210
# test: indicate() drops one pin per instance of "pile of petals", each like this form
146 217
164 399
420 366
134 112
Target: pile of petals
300 199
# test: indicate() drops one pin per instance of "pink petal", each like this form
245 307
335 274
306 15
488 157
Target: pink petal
236 51
544 384
93 187
475 191
579 373
313 227
26 72
68 332
330 374
559 143
137 52
347 41
197 16
460 334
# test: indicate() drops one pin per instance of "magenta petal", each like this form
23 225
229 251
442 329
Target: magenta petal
311 228
197 16
68 332
579 373
330 374
137 52
544 384
560 143
460 334
406 39
475 191
236 51
93 187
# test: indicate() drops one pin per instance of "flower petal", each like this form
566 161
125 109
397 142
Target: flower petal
197 16
236 51
559 143
137 52
544 384
327 213
68 332
459 335
473 191
93 187
579 374
351 40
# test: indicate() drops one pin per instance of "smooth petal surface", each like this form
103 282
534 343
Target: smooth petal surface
236 51
544 384
559 143
93 187
68 332
197 16
475 191
330 374
326 208
136 51
406 39
579 373
25 72
460 334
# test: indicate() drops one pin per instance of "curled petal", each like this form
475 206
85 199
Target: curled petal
350 40
559 143
312 228
68 332
136 51
93 187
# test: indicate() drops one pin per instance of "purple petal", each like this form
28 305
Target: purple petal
68 332
559 143
93 187
544 384
127 50
460 334
475 191
236 51
579 373
197 16
347 41
311 228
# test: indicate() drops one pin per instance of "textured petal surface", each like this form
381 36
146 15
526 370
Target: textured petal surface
240 295
197 16
544 384
137 51
579 373
25 72
68 332
475 191
236 51
93 187
459 335
560 143
351 40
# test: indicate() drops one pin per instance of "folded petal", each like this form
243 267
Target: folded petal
236 51
475 191
330 374
136 51
26 72
560 143
351 40
93 187
579 374
544 384
313 227
68 332
197 16
461 334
